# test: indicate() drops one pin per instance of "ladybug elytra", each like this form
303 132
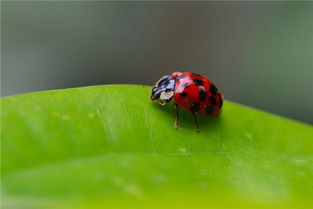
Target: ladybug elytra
190 91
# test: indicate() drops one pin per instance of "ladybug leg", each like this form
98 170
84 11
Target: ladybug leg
177 117
196 122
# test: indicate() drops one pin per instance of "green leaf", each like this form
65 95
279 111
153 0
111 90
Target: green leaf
111 147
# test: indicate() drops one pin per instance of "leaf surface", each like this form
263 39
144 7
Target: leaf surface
111 147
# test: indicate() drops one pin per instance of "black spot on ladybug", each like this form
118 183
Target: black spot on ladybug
185 85
195 74
212 100
209 109
181 77
202 94
221 102
213 89
195 107
198 82
183 94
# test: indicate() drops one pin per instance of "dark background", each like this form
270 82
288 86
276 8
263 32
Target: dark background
258 53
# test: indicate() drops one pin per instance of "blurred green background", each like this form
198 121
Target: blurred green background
258 53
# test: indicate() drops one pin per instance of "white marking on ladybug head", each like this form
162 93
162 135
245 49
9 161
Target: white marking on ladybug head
166 95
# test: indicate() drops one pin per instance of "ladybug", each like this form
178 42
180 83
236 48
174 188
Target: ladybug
190 91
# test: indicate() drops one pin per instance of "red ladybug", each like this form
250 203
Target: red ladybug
190 91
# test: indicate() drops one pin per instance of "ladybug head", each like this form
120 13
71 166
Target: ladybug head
163 90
